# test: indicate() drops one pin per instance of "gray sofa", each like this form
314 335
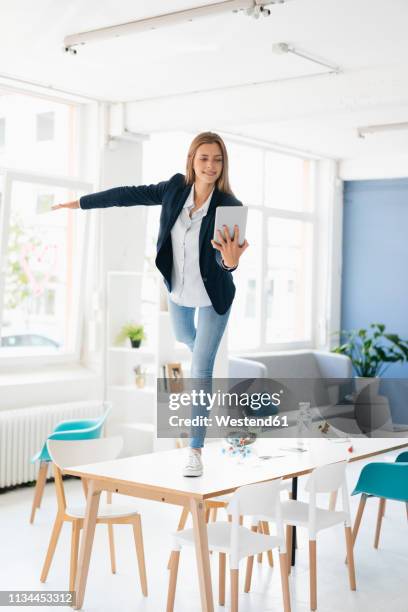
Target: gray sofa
322 368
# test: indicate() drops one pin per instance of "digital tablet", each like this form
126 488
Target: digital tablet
230 216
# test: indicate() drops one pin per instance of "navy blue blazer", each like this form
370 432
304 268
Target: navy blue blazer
172 196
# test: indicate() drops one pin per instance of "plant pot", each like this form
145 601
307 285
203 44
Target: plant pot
361 382
135 343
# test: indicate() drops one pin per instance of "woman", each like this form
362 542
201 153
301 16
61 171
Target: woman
196 269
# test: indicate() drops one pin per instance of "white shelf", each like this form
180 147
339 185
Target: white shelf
140 351
146 427
148 389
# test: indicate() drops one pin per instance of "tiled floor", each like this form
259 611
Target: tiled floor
382 576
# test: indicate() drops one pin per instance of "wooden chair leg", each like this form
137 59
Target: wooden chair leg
221 578
112 548
385 503
234 573
51 547
289 538
175 554
76 530
265 528
283 561
138 534
214 514
379 522
359 516
250 565
313 574
260 529
180 526
350 558
39 488
357 520
333 500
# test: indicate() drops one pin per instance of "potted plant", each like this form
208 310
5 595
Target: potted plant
134 332
371 351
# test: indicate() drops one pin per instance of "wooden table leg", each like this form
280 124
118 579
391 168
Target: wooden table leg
294 534
203 558
92 506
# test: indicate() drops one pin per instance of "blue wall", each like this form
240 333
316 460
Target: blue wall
375 269
375 257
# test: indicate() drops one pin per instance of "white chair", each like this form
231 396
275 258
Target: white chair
324 479
82 452
238 541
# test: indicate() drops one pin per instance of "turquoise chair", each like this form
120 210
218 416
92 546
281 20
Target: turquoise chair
76 429
383 480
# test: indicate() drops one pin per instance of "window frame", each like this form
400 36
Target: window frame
10 176
271 212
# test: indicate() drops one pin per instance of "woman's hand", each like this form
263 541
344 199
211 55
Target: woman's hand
229 248
73 204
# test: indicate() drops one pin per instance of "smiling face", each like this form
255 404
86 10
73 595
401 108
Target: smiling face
208 163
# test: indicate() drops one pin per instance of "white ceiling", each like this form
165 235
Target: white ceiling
217 55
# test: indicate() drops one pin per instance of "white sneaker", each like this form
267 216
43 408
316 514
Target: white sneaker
194 466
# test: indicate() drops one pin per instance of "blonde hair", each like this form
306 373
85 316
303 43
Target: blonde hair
209 138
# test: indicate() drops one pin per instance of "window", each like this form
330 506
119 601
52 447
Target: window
43 261
42 253
45 126
2 131
276 272
275 281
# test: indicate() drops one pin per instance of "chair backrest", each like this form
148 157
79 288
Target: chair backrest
402 457
256 499
327 478
388 480
65 453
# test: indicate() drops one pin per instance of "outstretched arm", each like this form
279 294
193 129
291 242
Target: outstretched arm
120 196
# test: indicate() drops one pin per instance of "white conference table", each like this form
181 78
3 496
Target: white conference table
157 476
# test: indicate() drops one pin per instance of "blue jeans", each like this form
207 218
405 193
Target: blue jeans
203 341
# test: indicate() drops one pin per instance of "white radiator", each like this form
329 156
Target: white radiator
23 432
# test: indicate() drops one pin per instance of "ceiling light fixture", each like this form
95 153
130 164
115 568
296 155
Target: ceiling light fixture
253 8
362 132
283 48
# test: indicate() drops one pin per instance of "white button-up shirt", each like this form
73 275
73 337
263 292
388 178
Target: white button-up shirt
187 287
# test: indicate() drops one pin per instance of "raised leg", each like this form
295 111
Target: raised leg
51 547
234 589
92 506
379 522
172 580
39 488
221 578
76 530
350 558
284 564
138 534
250 564
313 575
202 554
